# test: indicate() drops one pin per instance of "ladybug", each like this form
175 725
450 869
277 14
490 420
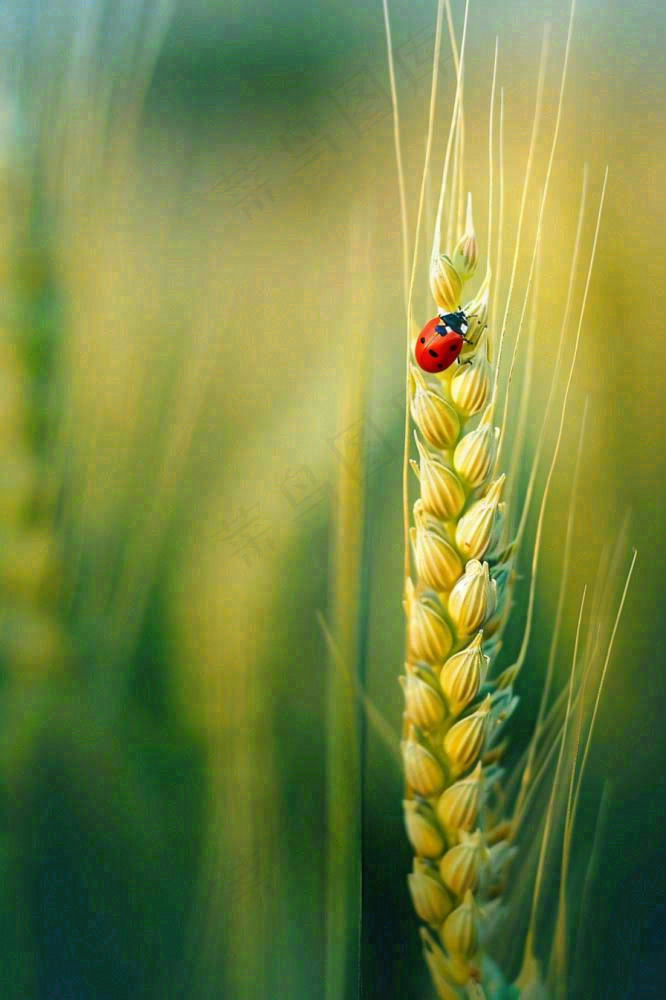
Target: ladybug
440 341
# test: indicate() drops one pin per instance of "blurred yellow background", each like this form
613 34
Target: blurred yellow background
217 201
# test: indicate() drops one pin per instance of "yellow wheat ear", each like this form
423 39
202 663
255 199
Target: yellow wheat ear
453 714
455 603
460 570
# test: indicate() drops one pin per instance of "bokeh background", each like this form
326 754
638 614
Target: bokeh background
201 257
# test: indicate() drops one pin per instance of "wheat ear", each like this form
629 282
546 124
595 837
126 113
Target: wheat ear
455 610
32 641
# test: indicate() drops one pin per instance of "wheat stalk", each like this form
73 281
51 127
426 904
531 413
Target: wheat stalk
35 650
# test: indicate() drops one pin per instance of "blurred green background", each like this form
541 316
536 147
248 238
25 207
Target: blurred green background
202 227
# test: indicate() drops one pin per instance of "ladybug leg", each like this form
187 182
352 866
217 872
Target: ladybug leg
467 361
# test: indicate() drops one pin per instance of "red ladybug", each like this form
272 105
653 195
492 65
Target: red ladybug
441 340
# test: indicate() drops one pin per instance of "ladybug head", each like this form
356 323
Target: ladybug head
456 321
463 325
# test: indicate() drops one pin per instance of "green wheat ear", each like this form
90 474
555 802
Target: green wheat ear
33 641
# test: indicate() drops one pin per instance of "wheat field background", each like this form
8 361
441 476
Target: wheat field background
215 248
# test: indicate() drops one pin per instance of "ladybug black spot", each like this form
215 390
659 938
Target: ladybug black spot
433 353
452 347
440 365
423 340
